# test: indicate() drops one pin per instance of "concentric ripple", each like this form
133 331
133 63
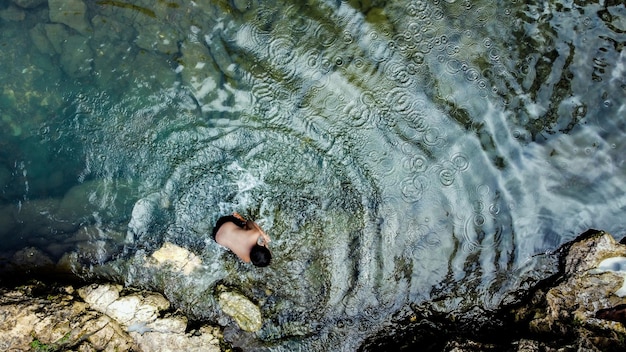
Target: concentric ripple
397 154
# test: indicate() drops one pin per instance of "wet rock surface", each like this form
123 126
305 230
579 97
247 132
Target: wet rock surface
579 308
565 311
104 317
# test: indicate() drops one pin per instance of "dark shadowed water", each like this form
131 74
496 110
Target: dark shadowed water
396 152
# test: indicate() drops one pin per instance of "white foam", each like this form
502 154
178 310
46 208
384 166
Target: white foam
613 264
616 265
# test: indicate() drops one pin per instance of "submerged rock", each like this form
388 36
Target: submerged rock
31 258
29 4
76 56
12 13
72 13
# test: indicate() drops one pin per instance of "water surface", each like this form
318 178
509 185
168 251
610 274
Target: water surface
397 152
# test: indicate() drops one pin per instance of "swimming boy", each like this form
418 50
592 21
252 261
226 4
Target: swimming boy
244 238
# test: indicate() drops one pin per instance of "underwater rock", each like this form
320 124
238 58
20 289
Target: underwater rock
77 56
617 18
12 13
242 5
71 13
29 4
92 244
40 39
43 318
245 313
195 65
35 217
108 32
5 176
78 201
31 258
7 222
155 71
56 34
577 308
157 37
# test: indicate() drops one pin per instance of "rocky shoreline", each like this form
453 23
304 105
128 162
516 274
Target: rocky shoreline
40 317
581 307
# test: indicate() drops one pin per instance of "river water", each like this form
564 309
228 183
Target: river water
397 152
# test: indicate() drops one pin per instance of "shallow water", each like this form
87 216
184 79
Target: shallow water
396 152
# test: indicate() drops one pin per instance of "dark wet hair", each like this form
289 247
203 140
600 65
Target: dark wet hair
260 256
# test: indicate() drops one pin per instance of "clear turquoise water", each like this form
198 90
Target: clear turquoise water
397 152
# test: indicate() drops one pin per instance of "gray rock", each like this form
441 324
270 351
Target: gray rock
139 314
72 13
99 297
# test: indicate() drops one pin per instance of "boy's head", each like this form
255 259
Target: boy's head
260 256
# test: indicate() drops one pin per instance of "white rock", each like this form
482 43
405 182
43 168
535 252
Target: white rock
178 258
99 297
137 309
